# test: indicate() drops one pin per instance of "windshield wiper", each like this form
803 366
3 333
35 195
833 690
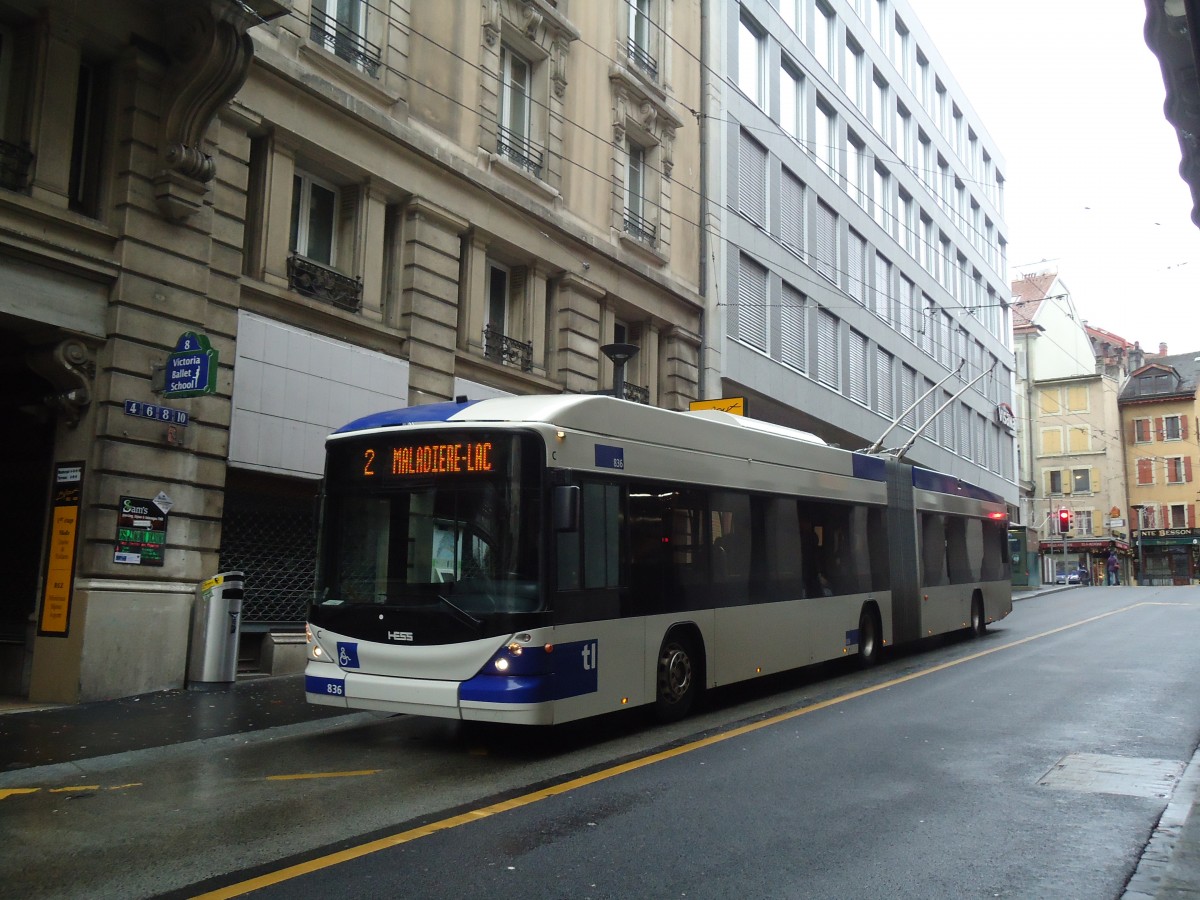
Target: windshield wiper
463 615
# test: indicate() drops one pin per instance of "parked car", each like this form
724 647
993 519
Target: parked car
1079 576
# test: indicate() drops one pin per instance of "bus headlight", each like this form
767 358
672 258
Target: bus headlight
501 664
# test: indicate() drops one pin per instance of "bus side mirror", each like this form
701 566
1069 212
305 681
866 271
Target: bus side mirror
566 507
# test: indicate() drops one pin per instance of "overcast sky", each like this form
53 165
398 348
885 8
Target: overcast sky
1073 98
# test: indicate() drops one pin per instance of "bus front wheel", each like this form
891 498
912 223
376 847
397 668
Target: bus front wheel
678 668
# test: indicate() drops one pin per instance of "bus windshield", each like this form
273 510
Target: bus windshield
452 522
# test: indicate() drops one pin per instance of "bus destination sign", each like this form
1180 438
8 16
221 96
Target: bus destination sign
465 457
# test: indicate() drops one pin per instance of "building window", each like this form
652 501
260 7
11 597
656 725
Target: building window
1179 516
314 219
793 208
340 27
828 362
513 134
827 242
884 217
1141 431
1079 439
856 266
637 223
879 106
1179 469
825 39
1081 481
854 67
1145 471
793 15
858 367
1054 482
752 180
87 140
750 319
1083 522
505 287
751 58
641 35
856 170
317 211
792 329
1173 428
827 143
1052 442
791 102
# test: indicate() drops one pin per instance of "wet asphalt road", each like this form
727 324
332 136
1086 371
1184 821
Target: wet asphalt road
937 774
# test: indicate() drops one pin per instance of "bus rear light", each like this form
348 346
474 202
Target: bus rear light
514 648
549 648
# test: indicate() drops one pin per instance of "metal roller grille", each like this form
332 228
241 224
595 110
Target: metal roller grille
274 542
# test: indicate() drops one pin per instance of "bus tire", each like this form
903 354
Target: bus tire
868 638
678 675
978 619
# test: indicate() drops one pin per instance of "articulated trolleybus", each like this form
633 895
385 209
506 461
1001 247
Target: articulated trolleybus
542 559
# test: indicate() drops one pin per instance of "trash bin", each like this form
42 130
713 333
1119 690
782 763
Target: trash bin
216 627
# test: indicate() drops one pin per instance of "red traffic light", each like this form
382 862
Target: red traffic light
1064 520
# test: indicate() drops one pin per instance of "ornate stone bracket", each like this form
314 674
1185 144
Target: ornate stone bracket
210 55
68 366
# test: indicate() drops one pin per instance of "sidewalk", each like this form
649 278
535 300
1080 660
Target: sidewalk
43 736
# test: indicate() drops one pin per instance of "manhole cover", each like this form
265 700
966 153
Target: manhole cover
1100 774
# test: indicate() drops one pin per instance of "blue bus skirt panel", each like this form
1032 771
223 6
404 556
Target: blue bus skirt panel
536 675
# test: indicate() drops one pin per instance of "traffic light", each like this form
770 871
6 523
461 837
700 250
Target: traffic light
1064 520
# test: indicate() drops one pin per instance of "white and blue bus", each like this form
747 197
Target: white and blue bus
543 559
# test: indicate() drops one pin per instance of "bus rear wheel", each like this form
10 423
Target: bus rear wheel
677 671
868 639
978 619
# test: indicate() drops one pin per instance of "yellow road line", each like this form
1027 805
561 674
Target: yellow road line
307 775
12 792
404 837
78 787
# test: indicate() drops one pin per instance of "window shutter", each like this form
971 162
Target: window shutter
858 367
827 349
752 181
1145 471
793 347
750 322
1183 429
1159 428
1187 468
792 219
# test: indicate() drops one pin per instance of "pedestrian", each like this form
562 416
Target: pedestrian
1113 566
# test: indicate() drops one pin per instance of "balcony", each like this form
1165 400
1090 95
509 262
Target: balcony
319 282
507 350
345 43
637 393
642 59
636 226
520 151
15 163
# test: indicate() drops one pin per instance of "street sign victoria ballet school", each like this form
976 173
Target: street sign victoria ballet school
191 368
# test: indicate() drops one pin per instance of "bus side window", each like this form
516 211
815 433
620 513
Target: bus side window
785 555
933 550
731 539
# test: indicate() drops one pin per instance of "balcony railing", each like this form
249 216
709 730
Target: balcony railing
637 393
345 43
521 151
637 227
15 163
322 283
642 59
507 350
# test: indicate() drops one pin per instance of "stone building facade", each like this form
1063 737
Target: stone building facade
338 207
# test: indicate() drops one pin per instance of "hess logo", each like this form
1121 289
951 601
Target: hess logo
400 636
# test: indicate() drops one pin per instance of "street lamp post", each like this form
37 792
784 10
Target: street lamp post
1141 557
